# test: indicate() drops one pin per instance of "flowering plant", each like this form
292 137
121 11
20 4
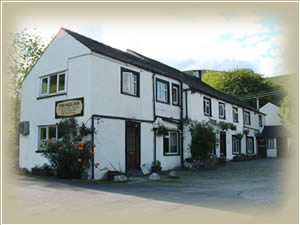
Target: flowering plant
71 153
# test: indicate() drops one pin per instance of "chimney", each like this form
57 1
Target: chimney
198 74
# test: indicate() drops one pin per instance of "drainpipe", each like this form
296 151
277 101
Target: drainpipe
93 158
181 125
154 117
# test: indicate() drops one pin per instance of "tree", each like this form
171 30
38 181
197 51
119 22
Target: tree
242 82
24 51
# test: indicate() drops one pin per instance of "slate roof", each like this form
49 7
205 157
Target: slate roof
274 131
156 67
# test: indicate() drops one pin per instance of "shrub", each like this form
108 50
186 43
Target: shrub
69 155
203 140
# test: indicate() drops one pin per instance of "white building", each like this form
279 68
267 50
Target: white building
124 96
275 135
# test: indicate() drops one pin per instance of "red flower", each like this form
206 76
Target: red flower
78 134
81 148
43 141
94 145
79 143
83 167
97 164
56 124
79 160
93 153
72 143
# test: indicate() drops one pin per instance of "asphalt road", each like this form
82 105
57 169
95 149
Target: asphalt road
241 192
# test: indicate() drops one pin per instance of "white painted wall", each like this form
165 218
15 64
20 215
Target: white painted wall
272 114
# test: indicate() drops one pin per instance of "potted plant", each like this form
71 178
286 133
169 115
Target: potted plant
162 130
156 166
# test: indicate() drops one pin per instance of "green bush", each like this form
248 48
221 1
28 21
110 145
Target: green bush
69 155
203 140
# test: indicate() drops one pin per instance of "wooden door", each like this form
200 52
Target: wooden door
223 143
132 145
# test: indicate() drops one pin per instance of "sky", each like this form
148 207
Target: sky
218 41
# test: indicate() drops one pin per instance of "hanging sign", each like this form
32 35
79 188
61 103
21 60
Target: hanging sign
69 108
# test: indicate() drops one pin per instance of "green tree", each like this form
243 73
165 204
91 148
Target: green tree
24 51
242 82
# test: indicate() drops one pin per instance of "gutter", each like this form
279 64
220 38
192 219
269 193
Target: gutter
154 118
181 125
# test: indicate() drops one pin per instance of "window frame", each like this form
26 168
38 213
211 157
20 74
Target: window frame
47 133
233 113
247 113
169 153
176 86
168 90
260 121
250 138
204 106
224 116
58 92
239 145
137 74
273 146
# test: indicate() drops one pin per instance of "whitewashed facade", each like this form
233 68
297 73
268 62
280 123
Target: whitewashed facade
116 111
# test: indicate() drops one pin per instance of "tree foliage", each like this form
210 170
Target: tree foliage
24 51
241 82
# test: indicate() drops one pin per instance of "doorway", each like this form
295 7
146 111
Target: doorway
132 145
223 143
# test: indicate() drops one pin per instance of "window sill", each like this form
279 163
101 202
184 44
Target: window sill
50 96
210 115
168 103
124 93
171 154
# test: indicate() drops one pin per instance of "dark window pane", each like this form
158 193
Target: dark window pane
52 132
166 144
43 133
61 85
53 84
44 85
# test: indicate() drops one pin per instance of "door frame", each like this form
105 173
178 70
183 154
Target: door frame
139 143
223 133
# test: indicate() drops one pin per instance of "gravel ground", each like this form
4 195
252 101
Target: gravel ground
243 190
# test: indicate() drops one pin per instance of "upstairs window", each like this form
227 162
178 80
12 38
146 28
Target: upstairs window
129 82
207 106
235 114
162 91
171 143
247 120
260 121
175 94
53 84
222 110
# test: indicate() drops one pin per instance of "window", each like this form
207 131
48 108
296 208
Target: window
236 145
53 84
250 145
48 133
221 110
175 94
129 82
207 106
271 143
235 114
171 143
247 120
162 91
260 121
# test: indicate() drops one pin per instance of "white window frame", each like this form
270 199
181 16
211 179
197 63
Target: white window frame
223 110
47 133
271 143
236 145
175 101
169 147
57 84
132 83
247 119
235 111
207 106
161 90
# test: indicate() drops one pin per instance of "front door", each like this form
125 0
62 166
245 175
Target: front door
132 145
223 144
